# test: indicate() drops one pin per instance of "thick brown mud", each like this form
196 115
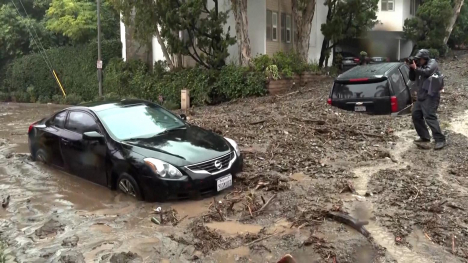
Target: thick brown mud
299 153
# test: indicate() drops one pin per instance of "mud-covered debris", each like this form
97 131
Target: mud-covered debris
71 257
208 240
166 217
123 257
52 227
287 259
9 155
350 221
70 241
6 201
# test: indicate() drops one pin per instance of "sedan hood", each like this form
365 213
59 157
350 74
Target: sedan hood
182 146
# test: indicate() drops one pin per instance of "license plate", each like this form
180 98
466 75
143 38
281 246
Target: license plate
359 108
378 59
224 182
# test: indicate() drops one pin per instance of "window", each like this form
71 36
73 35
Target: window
405 72
398 84
414 4
274 22
138 122
268 25
363 90
59 120
288 29
388 5
81 122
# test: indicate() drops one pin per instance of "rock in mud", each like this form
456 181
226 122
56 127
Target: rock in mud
71 257
50 228
70 241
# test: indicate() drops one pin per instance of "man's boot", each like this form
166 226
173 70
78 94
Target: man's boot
439 145
422 140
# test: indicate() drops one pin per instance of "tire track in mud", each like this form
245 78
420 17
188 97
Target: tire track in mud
423 250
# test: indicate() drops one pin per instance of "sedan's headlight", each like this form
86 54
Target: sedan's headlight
234 145
163 169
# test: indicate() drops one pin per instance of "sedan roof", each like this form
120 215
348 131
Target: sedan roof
97 106
369 71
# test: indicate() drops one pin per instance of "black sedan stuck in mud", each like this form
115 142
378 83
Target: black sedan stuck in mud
137 147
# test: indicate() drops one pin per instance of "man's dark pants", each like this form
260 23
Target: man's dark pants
425 112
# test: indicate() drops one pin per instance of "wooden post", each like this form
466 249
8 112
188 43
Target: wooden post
185 99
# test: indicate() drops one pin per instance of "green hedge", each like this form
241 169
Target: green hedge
135 79
28 78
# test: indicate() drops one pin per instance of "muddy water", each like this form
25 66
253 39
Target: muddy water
423 250
103 221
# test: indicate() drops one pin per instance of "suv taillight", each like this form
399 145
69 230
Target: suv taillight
329 101
394 103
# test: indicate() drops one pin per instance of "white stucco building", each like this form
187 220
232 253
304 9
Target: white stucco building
271 29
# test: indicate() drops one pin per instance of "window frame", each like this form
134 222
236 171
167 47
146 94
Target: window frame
269 25
386 3
288 28
84 112
274 28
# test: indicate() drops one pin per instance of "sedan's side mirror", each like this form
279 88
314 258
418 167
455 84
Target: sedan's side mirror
92 136
183 117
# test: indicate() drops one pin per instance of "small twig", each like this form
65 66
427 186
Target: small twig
428 237
263 199
250 211
453 244
176 223
258 240
265 205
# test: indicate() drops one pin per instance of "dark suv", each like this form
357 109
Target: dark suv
375 88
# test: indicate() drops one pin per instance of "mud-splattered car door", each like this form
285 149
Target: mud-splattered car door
82 157
50 138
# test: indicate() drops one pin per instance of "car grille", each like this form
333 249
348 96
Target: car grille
210 167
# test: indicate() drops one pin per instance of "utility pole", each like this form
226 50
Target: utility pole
99 62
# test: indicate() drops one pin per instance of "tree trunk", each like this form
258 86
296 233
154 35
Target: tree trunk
303 11
239 8
164 49
456 11
323 52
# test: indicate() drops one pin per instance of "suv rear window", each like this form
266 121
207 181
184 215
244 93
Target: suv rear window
360 90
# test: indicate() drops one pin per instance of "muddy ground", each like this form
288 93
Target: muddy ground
304 161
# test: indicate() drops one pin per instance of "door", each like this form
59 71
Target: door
50 139
399 89
84 158
410 85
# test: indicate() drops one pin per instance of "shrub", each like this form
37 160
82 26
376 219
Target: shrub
57 98
20 96
434 53
5 97
72 99
272 72
74 65
43 99
32 94
262 62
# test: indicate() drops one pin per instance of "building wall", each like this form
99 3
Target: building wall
279 6
392 20
316 36
256 12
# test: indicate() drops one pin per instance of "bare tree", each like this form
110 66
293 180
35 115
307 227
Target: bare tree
303 11
239 8
457 5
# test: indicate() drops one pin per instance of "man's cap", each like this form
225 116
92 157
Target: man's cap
423 53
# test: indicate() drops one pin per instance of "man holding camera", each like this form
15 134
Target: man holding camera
425 72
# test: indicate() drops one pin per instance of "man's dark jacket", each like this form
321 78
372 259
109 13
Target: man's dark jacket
421 74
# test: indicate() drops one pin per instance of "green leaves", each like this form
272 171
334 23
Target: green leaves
428 28
77 19
191 28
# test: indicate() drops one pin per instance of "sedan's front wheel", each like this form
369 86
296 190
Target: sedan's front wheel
127 185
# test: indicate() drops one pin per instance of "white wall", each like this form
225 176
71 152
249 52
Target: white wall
392 20
157 51
256 12
316 36
406 46
122 39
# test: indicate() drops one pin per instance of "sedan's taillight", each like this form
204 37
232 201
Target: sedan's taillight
31 127
329 101
394 103
356 60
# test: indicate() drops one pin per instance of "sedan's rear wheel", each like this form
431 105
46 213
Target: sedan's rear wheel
127 185
42 156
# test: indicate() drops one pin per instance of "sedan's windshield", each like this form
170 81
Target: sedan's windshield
137 122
